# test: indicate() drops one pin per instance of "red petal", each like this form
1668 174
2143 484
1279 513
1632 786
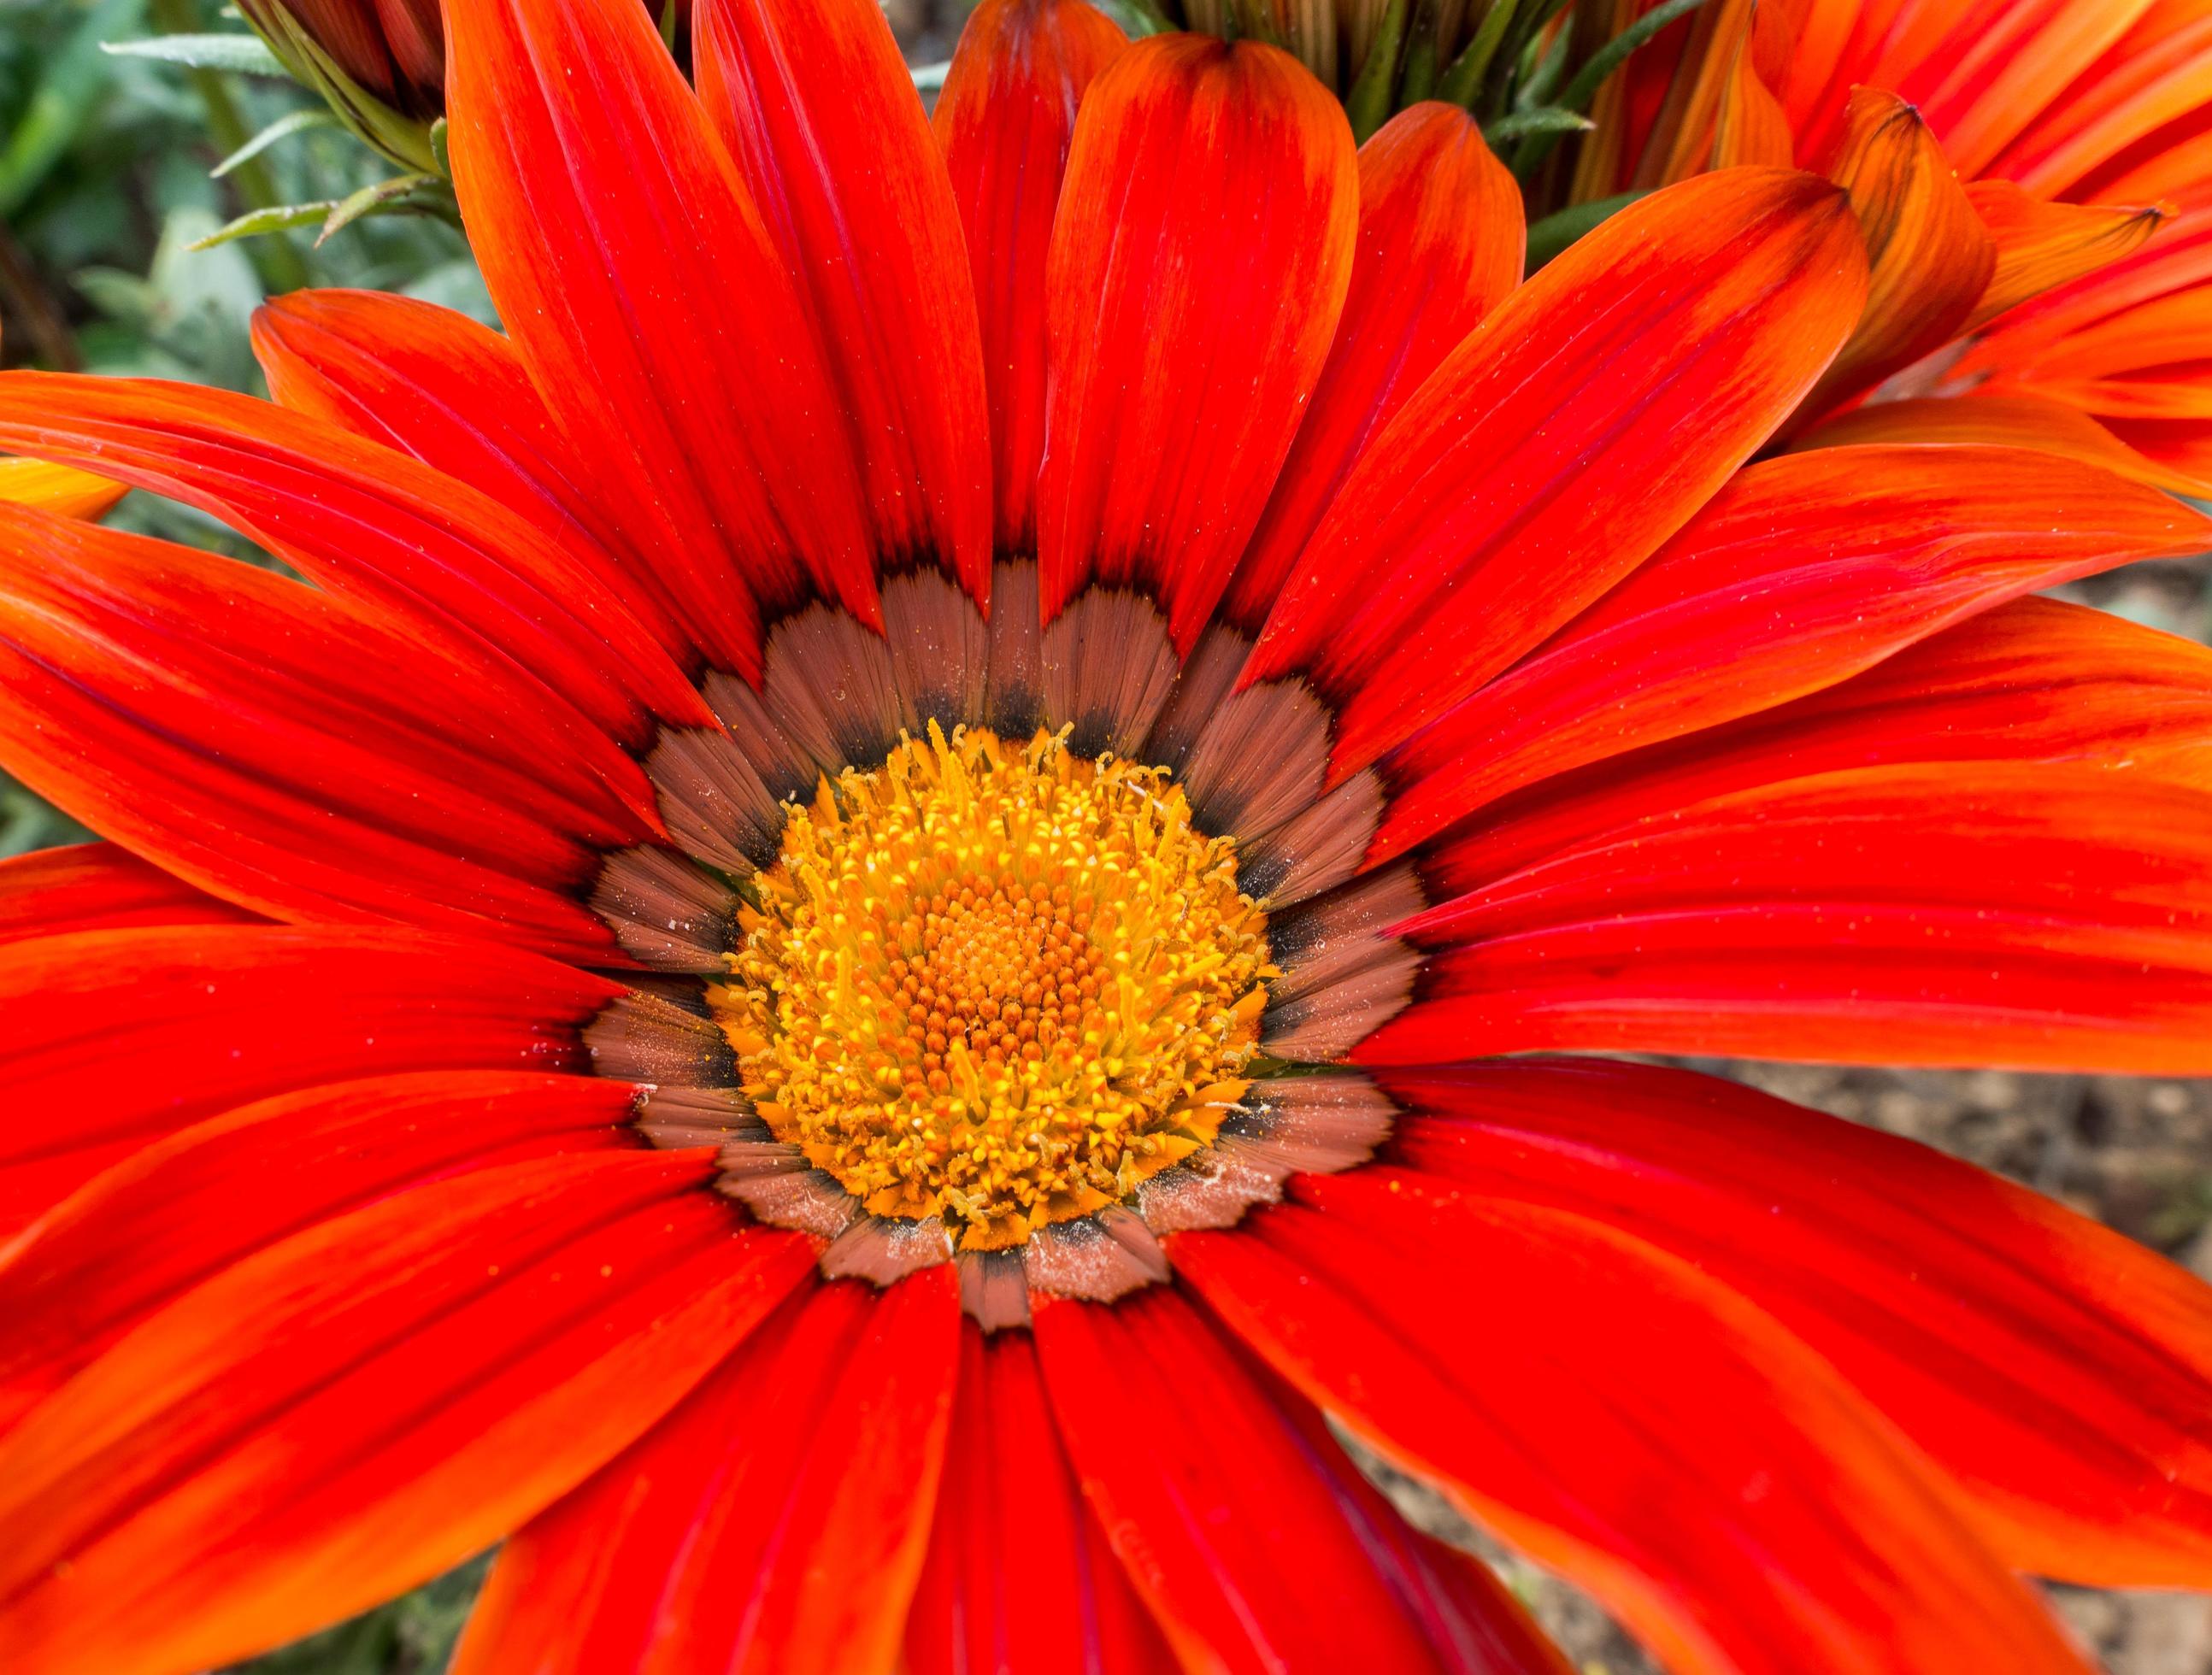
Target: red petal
1199 262
359 1407
1005 119
1018 1575
1441 239
436 385
2038 917
775 1520
98 887
112 1039
1728 1498
282 751
187 1206
1800 572
1580 425
2010 422
654 310
819 113
2033 681
2062 1373
1261 1547
365 520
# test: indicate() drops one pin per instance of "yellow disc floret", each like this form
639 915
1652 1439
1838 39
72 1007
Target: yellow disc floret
998 984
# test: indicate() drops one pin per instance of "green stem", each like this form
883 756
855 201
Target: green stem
1463 81
280 265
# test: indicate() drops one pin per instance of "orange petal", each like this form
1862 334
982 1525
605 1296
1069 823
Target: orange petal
1582 423
2040 246
821 118
356 1408
1930 256
2158 72
1979 78
2006 421
1198 263
60 490
1005 120
1441 239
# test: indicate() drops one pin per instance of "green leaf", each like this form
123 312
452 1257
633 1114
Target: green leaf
69 85
440 148
242 55
1614 53
382 198
275 219
283 128
1555 231
1544 119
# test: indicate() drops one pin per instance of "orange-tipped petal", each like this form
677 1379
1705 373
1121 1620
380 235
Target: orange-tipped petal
2060 1371
1582 423
821 118
775 1522
1005 120
1440 241
1198 263
348 1412
2006 421
1740 1509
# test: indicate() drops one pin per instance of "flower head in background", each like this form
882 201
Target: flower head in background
935 856
2036 182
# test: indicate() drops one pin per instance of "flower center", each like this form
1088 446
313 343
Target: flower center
999 985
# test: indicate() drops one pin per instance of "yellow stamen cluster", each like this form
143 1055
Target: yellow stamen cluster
998 984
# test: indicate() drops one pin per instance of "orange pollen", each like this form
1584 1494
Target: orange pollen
997 986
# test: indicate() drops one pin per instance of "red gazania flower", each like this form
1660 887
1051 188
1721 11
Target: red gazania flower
924 867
